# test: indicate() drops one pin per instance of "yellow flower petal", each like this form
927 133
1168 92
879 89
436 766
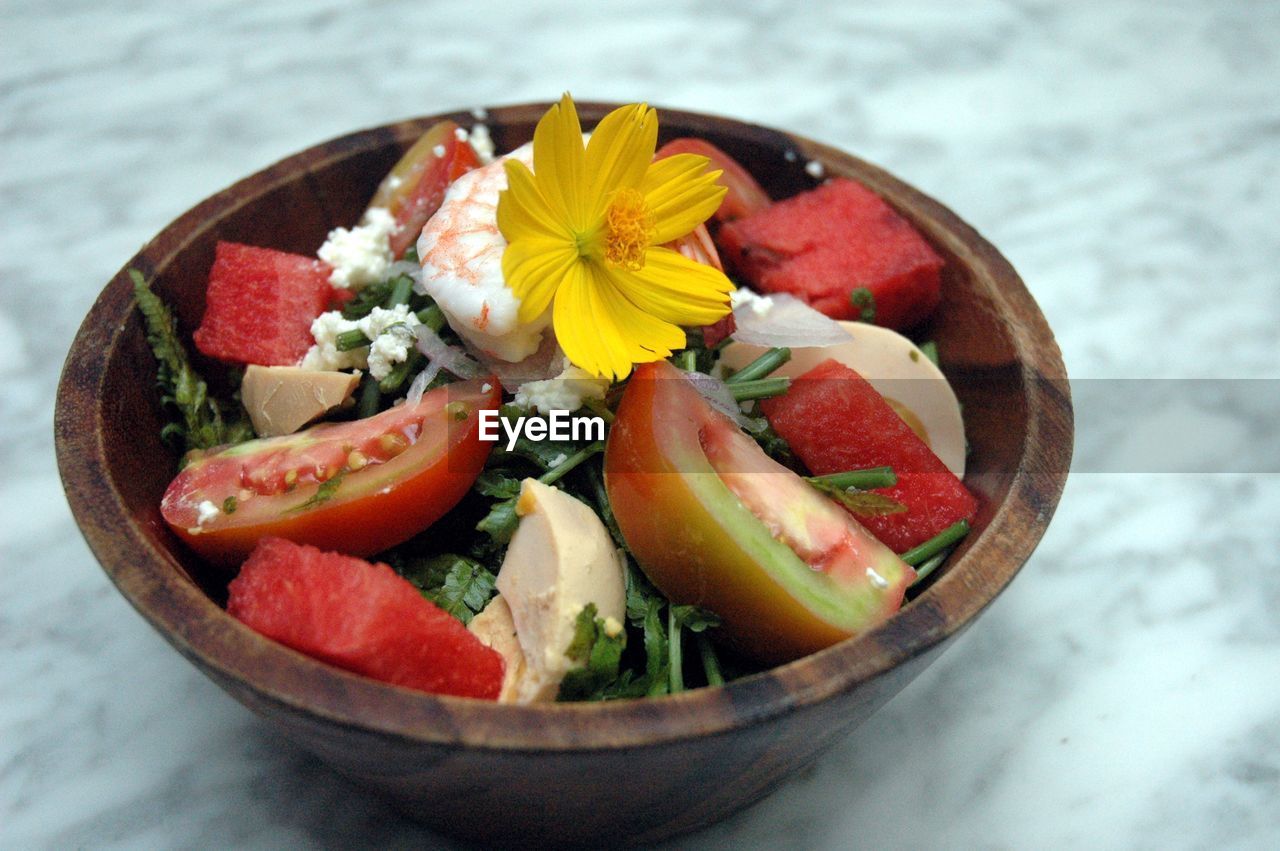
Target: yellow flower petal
585 342
676 289
681 193
604 333
559 162
534 268
523 211
621 149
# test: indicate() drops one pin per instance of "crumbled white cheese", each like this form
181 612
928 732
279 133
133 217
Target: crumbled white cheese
742 297
360 256
390 330
815 169
206 511
558 460
568 391
482 143
479 113
324 355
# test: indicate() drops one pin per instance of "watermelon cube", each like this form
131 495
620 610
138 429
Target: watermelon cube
823 244
260 304
362 617
836 421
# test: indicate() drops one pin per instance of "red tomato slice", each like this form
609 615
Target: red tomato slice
415 186
356 487
744 196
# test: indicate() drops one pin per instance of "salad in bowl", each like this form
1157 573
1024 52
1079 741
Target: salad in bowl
591 419
423 590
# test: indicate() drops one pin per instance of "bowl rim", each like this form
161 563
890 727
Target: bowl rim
156 584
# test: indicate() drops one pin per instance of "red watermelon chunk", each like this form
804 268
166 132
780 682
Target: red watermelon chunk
822 244
836 421
362 617
260 304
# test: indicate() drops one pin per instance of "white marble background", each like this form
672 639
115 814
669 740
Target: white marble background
1125 692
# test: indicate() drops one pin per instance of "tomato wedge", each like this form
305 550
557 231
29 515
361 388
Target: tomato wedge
744 197
415 186
356 487
716 522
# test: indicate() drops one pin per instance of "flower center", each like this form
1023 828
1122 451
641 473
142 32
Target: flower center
629 229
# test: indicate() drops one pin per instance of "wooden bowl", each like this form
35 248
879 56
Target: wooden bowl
637 770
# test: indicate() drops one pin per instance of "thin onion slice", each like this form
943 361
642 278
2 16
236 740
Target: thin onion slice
451 359
404 267
420 382
547 362
783 320
718 395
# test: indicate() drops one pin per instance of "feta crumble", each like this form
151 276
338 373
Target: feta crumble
482 143
360 256
568 391
760 305
390 330
206 511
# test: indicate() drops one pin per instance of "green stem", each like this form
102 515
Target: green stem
710 663
370 397
863 480
558 472
761 388
921 553
923 571
689 360
432 317
761 366
599 408
401 372
401 289
348 340
602 503
675 655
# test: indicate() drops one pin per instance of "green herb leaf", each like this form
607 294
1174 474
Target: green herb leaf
201 421
598 654
323 494
694 618
499 484
466 589
501 521
774 445
930 350
655 648
862 299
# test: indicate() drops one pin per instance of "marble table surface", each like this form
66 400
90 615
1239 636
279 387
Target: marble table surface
1124 692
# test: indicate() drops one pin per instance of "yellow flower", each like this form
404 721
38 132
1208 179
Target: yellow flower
585 232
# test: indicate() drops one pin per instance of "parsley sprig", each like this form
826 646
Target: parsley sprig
198 420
